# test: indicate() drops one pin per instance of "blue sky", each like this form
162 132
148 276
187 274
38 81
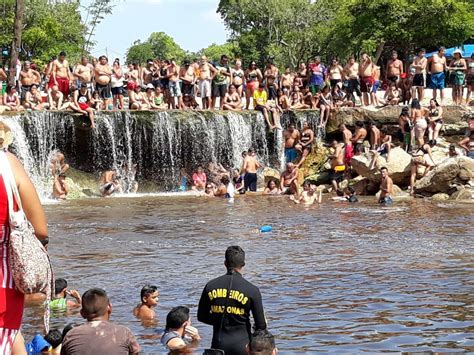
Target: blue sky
193 24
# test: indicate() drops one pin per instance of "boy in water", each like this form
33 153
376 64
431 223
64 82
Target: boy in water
386 188
149 300
59 302
179 332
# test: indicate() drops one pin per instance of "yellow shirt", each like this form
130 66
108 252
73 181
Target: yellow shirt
259 98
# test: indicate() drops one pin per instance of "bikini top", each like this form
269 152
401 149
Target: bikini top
239 74
305 136
434 113
422 149
252 76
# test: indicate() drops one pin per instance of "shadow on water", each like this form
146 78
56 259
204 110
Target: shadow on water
334 277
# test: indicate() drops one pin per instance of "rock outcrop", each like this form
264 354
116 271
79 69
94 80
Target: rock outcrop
398 166
446 176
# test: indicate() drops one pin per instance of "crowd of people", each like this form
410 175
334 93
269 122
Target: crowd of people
87 87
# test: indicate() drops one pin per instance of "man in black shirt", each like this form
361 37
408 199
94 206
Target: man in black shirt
226 303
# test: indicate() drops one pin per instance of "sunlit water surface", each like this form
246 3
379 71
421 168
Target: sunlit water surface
334 277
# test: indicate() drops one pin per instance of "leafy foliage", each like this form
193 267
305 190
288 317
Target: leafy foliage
158 45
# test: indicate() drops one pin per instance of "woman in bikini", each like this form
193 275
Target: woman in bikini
435 118
232 99
33 100
11 100
238 76
297 99
325 105
253 77
418 118
422 157
458 70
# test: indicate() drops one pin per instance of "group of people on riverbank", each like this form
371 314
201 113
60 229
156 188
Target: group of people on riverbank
87 87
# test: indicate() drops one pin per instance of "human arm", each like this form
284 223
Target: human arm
464 144
204 309
76 295
29 198
53 73
258 314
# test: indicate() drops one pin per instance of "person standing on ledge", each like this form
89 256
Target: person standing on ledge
226 303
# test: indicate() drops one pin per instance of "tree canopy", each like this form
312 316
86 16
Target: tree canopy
158 45
48 28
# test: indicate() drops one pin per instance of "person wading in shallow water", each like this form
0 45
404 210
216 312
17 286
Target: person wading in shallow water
386 188
226 303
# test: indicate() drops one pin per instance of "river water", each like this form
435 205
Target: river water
334 277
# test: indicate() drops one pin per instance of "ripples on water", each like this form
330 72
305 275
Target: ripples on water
334 277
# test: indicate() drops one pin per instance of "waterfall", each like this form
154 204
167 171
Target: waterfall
146 146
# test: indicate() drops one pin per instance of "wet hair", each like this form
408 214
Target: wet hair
415 104
225 179
435 101
269 182
244 153
176 317
54 338
59 285
234 257
94 303
359 123
262 342
68 328
147 290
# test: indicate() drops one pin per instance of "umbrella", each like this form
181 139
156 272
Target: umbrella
467 51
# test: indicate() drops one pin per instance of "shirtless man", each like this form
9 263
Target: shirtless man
283 101
338 165
206 74
438 66
250 167
61 75
286 81
84 73
351 74
28 77
291 137
289 180
374 135
147 72
348 147
366 71
103 76
419 68
394 68
109 183
384 146
359 137
187 75
56 99
271 75
172 72
386 188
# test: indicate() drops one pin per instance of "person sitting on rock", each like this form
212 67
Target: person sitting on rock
423 157
383 147
289 180
467 143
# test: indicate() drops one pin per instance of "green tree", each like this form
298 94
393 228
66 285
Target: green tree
96 12
158 45
215 51
48 28
378 26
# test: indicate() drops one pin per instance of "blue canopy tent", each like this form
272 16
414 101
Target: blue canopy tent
467 51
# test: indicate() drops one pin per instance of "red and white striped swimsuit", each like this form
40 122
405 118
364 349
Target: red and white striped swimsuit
11 300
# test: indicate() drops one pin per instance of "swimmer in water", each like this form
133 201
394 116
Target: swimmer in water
209 190
149 300
60 188
308 196
59 301
109 183
386 188
271 189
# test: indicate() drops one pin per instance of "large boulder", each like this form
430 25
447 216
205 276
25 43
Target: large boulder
270 174
450 172
440 197
462 195
398 166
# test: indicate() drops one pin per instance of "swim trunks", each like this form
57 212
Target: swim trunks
117 91
338 173
458 78
290 155
437 81
250 182
205 88
63 85
104 91
348 154
366 83
419 80
175 90
83 106
219 90
375 87
334 82
387 200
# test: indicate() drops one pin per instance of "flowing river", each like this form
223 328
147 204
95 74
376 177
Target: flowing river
334 277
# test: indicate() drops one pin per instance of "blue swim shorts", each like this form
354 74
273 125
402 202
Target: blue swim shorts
437 81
